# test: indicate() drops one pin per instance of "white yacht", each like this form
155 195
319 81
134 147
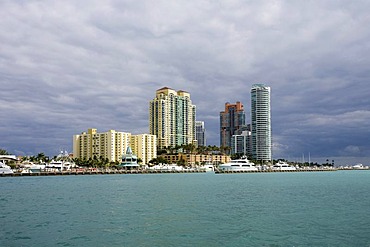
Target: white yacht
207 167
172 167
60 165
62 162
238 165
283 166
5 169
358 167
37 167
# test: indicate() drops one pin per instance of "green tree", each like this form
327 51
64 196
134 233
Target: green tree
201 149
152 161
181 162
32 158
213 148
237 156
41 157
190 148
225 149
161 151
177 148
3 152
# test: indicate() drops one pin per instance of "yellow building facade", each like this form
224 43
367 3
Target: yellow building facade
113 144
107 145
144 146
172 118
196 159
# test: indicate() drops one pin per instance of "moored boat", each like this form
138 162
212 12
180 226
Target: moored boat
171 167
238 165
207 167
358 167
283 166
60 165
5 169
62 162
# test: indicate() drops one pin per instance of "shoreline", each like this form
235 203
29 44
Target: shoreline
118 172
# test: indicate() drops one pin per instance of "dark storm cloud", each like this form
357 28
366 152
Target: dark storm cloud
66 66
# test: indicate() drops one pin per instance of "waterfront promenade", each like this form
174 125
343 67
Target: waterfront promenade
95 172
145 171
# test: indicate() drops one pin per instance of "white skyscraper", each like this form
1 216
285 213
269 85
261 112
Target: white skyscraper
261 122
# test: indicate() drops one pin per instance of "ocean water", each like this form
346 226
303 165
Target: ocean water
205 209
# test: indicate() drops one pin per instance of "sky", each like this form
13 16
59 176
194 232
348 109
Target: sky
66 66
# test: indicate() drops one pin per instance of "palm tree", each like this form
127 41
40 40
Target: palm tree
158 160
213 148
191 147
41 157
201 149
178 147
161 151
225 149
185 148
181 162
162 160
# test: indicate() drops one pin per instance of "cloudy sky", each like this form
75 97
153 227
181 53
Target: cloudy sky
66 66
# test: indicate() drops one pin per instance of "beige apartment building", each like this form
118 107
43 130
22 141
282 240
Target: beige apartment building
113 144
172 118
144 146
196 159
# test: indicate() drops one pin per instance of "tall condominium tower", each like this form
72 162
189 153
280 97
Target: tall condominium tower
172 118
230 121
261 122
200 133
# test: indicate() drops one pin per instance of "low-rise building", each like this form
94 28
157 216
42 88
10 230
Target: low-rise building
196 159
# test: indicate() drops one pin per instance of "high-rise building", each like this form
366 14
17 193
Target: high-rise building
200 133
112 145
241 142
172 118
231 119
261 122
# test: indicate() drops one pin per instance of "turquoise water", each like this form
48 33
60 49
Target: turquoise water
205 209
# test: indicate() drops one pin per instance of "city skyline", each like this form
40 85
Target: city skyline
67 66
